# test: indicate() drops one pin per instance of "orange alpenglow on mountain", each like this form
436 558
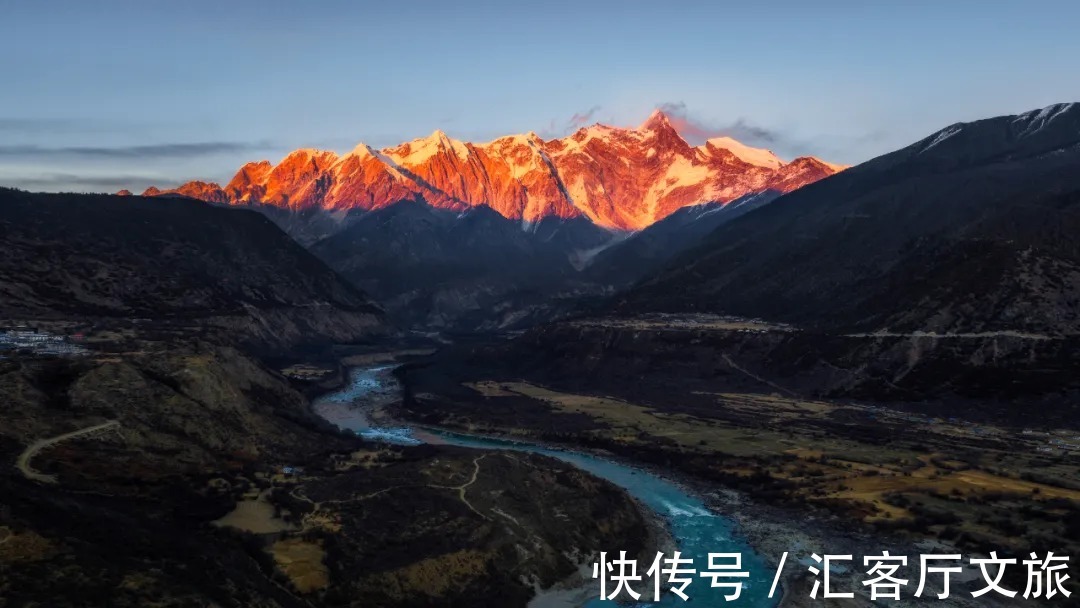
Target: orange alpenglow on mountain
618 178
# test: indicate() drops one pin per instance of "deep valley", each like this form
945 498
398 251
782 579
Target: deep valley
451 374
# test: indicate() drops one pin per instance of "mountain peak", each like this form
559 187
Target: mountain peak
439 138
308 152
421 150
657 120
363 151
309 156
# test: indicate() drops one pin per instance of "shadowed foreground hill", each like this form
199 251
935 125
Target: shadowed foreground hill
172 470
183 501
174 261
972 229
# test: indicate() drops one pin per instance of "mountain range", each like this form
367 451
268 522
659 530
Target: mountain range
618 178
954 233
970 229
798 343
946 269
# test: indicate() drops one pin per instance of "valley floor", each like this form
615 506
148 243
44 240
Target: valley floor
851 473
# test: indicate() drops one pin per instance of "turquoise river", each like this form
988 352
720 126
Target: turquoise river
697 531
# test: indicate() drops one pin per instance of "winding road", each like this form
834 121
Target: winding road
298 494
972 335
23 463
746 372
465 486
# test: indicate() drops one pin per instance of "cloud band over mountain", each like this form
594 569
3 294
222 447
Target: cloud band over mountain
166 150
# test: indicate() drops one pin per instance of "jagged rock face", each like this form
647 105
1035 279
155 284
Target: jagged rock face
204 191
617 178
631 178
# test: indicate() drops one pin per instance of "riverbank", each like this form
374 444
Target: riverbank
768 531
360 403
771 536
774 535
798 475
579 589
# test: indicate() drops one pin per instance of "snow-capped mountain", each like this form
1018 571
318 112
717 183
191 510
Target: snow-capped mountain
970 230
616 177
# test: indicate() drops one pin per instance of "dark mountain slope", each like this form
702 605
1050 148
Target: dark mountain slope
969 230
473 270
948 271
131 517
647 251
177 261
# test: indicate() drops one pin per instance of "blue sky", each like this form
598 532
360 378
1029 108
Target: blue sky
109 94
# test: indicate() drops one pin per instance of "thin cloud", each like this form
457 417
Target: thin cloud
34 126
580 119
73 182
742 130
172 150
841 147
558 128
697 130
834 147
37 125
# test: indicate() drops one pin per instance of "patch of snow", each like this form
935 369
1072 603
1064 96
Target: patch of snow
942 135
1038 119
583 258
362 150
418 151
759 157
655 120
684 172
746 200
711 211
577 190
392 167
681 172
310 152
835 167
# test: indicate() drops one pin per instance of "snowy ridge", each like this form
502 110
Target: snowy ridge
1037 120
619 178
758 157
